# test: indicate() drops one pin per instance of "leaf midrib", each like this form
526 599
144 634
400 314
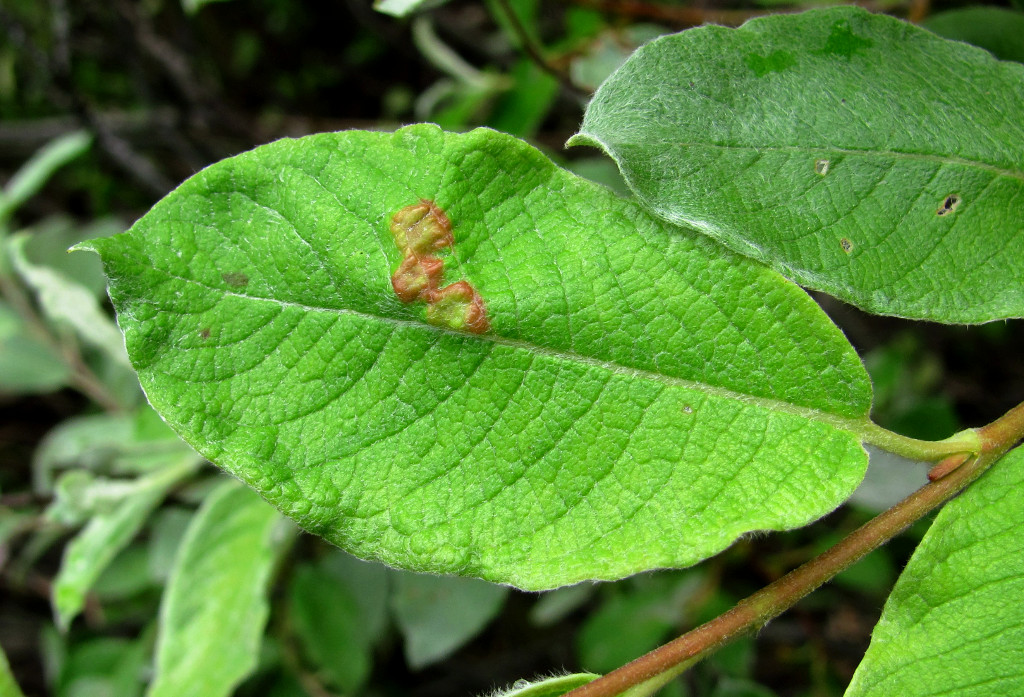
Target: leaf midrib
860 427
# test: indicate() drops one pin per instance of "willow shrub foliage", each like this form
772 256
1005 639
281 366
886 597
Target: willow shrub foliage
444 352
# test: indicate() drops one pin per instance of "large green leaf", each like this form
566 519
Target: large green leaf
954 624
855 153
215 606
638 397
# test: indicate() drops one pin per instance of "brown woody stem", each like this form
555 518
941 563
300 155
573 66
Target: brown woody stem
758 609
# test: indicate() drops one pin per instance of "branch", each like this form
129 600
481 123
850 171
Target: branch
536 54
752 613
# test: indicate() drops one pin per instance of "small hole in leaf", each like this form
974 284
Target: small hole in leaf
948 205
821 167
204 333
687 409
846 245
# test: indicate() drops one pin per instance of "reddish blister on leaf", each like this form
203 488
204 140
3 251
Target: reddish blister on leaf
417 277
458 306
421 228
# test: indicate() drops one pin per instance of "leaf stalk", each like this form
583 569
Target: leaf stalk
968 441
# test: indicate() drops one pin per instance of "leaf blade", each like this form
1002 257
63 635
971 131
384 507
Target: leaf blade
108 533
953 623
855 153
594 389
215 605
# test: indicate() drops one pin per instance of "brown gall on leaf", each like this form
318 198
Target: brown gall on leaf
421 228
417 277
458 307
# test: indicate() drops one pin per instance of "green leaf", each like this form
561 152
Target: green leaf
68 303
640 398
855 153
27 364
605 53
994 29
28 180
101 667
166 533
522 109
89 442
438 614
954 623
339 616
8 685
215 606
404 8
547 687
109 531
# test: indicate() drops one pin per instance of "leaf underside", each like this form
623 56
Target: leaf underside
639 397
855 153
954 624
214 610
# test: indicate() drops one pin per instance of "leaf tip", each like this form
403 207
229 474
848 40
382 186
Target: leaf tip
583 138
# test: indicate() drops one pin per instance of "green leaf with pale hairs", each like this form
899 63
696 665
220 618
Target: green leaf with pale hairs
563 388
855 153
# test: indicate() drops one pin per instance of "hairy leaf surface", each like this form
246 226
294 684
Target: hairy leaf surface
954 624
632 398
855 153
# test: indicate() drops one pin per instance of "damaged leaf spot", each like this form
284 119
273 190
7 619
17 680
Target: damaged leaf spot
235 279
948 205
204 333
774 62
458 307
843 42
418 231
421 228
846 245
821 167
